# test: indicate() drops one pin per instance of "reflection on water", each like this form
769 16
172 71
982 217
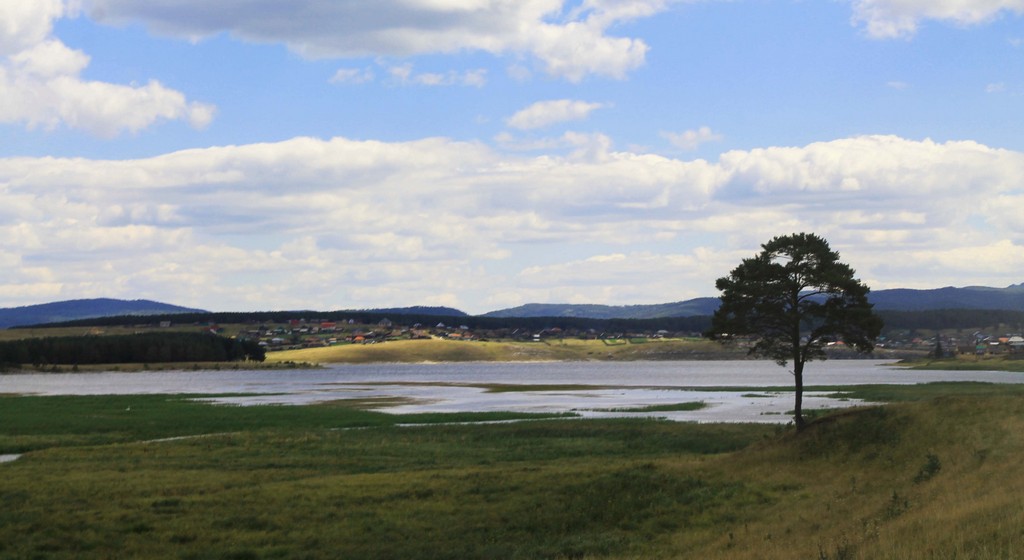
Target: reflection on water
733 391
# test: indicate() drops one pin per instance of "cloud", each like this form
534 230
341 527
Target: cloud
577 143
997 87
691 139
41 84
887 19
404 75
335 223
871 167
568 43
611 277
26 24
547 113
352 76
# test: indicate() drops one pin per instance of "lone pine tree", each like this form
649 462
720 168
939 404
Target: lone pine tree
794 298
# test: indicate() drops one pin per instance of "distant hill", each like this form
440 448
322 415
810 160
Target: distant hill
416 310
71 310
689 308
1010 298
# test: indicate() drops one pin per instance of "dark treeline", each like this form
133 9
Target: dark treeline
129 348
598 326
894 320
671 324
945 319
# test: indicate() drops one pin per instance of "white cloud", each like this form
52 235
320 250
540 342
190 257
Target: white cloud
403 75
579 144
873 167
578 49
41 84
352 76
608 12
568 43
26 24
887 19
311 223
997 87
610 277
692 139
547 113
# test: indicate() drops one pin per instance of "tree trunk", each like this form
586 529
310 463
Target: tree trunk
798 358
798 380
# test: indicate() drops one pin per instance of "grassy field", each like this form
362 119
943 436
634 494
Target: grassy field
441 350
422 350
934 476
425 350
1000 362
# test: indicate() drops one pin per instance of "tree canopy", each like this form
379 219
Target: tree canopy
794 298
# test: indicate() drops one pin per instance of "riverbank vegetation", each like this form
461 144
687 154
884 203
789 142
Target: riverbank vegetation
148 347
933 476
358 337
969 362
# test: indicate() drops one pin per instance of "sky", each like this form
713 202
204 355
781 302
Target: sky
482 154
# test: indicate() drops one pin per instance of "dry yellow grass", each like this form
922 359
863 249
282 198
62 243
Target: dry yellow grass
441 350
434 350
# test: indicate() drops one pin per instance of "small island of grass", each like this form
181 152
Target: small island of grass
963 362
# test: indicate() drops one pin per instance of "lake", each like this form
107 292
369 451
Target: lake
733 391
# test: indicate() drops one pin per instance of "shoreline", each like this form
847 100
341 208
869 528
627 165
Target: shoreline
1004 363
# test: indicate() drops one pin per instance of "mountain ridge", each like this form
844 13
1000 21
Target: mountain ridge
439 311
896 299
1010 298
90 308
687 308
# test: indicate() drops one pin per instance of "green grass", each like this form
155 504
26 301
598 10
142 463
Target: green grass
924 391
284 482
31 423
506 388
933 476
1004 362
673 407
880 393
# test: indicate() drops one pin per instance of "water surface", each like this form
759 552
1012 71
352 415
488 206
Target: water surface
742 388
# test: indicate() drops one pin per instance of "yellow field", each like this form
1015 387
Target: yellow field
441 350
